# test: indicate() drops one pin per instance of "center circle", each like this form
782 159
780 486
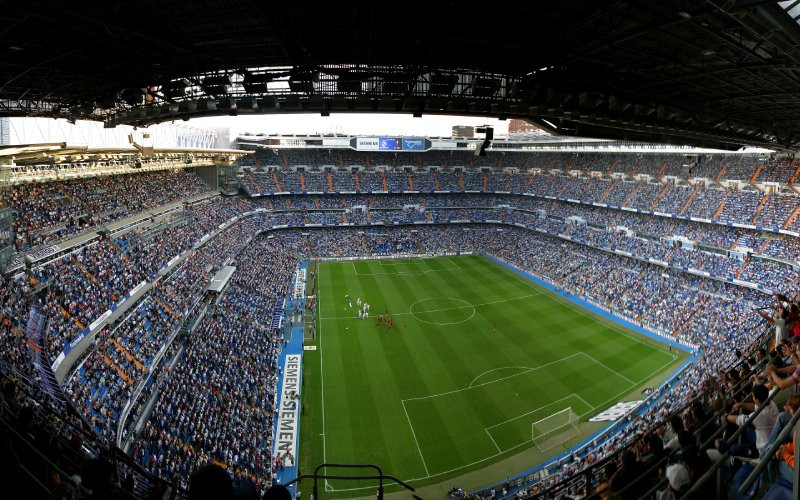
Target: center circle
442 311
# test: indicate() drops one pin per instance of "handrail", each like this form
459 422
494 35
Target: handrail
41 455
380 477
91 443
719 463
794 424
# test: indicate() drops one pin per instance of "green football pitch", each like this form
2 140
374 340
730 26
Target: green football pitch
476 358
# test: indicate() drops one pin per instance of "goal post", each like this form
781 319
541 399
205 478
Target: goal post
550 431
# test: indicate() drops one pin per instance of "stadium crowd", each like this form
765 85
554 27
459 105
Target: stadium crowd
55 210
218 404
227 418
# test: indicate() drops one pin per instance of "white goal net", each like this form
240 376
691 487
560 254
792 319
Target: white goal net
553 430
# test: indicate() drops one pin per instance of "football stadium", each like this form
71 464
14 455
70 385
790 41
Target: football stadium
544 250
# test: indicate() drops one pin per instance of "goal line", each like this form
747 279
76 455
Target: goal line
551 431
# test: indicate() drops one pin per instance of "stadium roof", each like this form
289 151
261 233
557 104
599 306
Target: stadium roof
719 73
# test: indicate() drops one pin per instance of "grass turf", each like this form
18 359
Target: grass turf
475 356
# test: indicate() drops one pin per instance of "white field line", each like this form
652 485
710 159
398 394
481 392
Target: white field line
616 396
495 455
493 381
582 400
415 438
492 438
446 308
454 261
526 368
533 411
615 372
322 382
578 308
409 273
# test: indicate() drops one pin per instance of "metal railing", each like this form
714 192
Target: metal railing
793 425
714 471
380 477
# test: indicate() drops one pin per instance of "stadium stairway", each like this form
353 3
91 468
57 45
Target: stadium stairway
358 181
611 167
721 173
507 183
344 217
719 210
636 168
735 242
661 170
130 357
689 201
608 190
660 195
795 173
119 250
80 266
566 185
529 182
436 181
330 182
633 192
764 246
760 206
586 188
461 181
165 307
410 182
688 318
117 369
792 217
308 245
744 264
794 188
275 178
366 245
302 182
485 181
383 180
755 174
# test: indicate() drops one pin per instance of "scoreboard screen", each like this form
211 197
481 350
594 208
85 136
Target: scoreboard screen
389 144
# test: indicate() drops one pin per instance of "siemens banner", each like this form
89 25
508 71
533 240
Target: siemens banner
390 143
285 445
367 143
